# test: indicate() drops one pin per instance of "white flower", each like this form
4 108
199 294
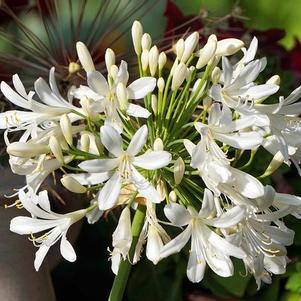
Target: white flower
123 164
206 246
44 219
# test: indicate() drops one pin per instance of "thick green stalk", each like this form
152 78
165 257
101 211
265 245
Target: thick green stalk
121 278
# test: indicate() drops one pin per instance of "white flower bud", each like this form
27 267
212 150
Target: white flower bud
174 66
137 32
162 60
207 52
154 103
85 103
146 41
72 185
154 244
180 48
158 144
216 75
114 72
56 149
161 188
26 149
179 76
85 142
275 79
173 196
190 43
161 84
109 59
85 57
122 96
275 163
178 170
228 46
144 59
153 60
207 102
66 128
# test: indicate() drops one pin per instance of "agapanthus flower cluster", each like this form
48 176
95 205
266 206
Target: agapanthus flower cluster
172 139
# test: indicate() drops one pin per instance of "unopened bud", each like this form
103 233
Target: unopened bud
144 59
26 149
114 72
161 188
153 60
162 60
180 48
66 128
137 32
154 103
190 43
85 142
85 57
158 144
228 46
85 103
179 76
216 75
161 84
178 170
56 149
207 52
109 59
72 185
275 79
173 196
146 41
122 96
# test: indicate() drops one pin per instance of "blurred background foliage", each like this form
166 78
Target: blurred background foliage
276 23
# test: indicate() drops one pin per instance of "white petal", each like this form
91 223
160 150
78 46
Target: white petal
176 244
97 83
189 146
153 160
67 250
110 192
137 111
208 205
91 178
111 139
99 165
260 91
19 86
141 87
138 141
177 214
154 245
40 255
145 188
27 225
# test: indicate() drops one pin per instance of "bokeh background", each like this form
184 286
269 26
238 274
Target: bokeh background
36 35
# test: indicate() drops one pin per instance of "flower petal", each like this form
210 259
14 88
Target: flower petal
137 111
111 139
97 83
153 160
40 255
141 87
91 178
67 250
99 165
138 141
177 214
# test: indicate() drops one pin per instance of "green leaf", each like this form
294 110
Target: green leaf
293 283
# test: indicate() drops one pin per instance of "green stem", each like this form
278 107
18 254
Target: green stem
121 278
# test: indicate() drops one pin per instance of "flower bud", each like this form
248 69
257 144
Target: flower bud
207 102
85 142
275 79
158 144
146 41
85 103
122 96
154 103
114 72
173 196
161 188
179 76
161 84
207 52
174 66
162 60
72 185
56 149
228 46
26 149
180 48
144 59
66 128
153 60
109 59
154 244
85 57
189 45
178 170
216 75
137 32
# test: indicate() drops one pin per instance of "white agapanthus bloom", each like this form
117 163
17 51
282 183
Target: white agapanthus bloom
43 219
206 246
124 166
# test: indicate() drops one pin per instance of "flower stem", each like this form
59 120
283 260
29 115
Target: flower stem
121 278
